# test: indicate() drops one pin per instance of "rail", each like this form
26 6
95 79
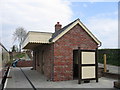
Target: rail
28 80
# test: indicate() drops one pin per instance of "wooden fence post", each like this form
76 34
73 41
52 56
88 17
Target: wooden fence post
105 67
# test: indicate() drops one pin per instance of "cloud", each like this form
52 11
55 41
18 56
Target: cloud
35 15
106 29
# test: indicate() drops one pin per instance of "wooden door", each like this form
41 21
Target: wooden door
87 65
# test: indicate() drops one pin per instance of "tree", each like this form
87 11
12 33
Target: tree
14 48
19 35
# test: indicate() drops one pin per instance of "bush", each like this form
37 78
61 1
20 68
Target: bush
112 56
19 55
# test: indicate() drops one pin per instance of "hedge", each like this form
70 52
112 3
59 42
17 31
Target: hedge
113 57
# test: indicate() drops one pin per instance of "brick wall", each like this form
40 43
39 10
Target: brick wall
44 60
63 52
25 64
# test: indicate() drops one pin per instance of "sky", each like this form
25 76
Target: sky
100 17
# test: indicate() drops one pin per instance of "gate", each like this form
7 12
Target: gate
87 65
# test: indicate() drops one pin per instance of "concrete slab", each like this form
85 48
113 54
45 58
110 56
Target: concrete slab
39 81
18 79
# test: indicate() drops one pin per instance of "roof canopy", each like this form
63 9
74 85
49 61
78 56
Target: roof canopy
35 38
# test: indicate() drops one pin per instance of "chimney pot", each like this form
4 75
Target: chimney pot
58 26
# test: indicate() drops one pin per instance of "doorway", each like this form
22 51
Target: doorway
42 62
75 64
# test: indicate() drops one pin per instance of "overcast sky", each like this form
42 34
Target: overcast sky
101 18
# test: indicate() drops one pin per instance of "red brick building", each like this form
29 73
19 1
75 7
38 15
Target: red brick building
53 52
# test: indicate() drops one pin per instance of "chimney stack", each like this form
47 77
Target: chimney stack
58 26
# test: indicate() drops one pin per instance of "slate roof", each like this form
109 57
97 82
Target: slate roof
61 30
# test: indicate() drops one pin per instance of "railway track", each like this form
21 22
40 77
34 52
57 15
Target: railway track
28 80
4 78
19 80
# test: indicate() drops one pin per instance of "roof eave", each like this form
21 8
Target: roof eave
83 26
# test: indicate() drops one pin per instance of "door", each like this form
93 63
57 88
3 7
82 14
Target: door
87 65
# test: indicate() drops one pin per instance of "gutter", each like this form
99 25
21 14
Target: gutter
100 44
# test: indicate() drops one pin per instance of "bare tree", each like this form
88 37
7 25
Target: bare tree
19 35
14 48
